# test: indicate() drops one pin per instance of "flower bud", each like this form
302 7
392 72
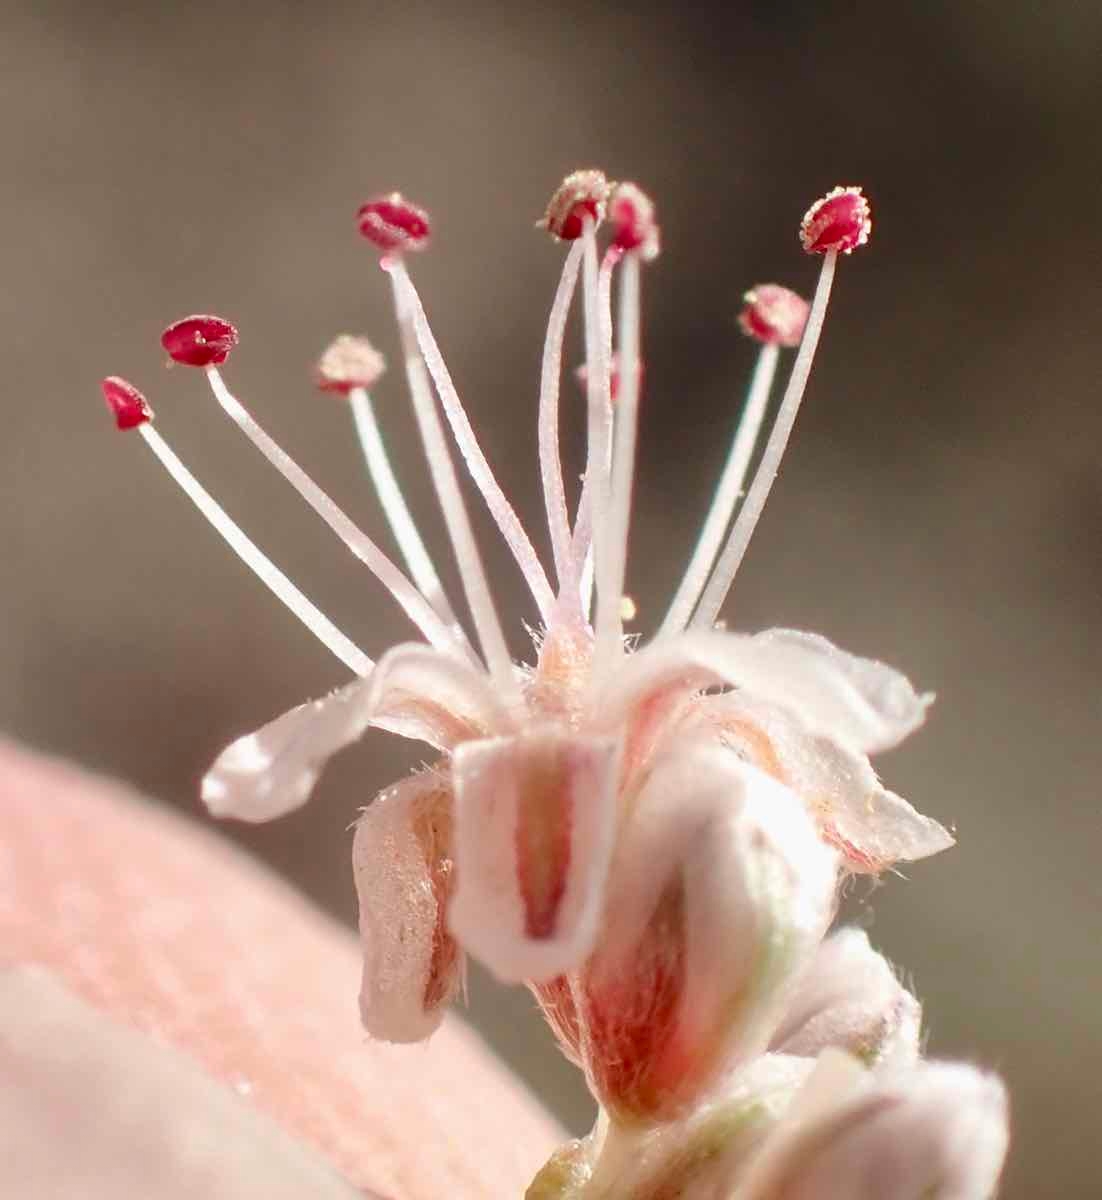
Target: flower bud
850 999
402 859
938 1132
715 854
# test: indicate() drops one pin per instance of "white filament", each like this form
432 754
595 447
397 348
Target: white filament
609 616
723 576
585 585
481 472
256 560
416 556
450 498
554 493
581 542
591 523
415 606
727 494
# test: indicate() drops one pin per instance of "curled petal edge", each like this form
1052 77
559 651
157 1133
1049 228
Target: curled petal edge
859 703
414 691
872 827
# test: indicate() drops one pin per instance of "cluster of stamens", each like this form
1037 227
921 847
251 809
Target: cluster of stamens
773 315
652 839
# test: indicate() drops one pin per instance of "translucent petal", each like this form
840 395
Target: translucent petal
715 856
402 859
856 702
851 999
872 827
92 1110
415 691
535 820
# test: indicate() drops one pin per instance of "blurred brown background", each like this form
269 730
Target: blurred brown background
941 508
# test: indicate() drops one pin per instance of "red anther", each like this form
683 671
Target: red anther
128 405
580 195
581 374
393 224
349 362
774 315
199 341
631 211
841 220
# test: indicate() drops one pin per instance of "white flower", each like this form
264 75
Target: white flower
555 774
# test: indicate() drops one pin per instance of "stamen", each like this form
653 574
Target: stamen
554 492
394 224
581 197
585 584
351 366
631 210
731 558
632 213
254 558
481 472
599 409
836 224
610 599
581 542
727 494
397 512
199 341
127 405
349 362
415 606
841 220
773 314
471 570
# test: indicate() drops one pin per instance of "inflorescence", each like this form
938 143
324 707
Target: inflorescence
653 839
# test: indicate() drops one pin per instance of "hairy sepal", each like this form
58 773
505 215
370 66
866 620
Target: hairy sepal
402 860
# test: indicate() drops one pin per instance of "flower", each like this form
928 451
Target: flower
813 1129
599 817
937 1130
